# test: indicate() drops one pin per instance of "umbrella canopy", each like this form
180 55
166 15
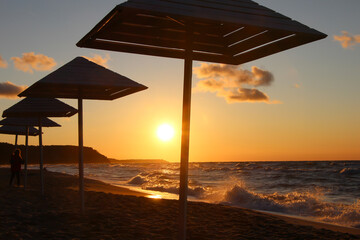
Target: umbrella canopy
18 130
13 121
40 107
223 31
81 78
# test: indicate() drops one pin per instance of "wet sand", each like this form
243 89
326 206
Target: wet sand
119 213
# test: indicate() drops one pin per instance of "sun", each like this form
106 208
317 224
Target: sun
165 132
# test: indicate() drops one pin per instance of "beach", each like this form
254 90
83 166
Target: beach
119 213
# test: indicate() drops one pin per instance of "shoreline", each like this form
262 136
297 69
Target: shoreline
107 187
113 212
304 221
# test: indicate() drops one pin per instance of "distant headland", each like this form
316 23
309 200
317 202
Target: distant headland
64 154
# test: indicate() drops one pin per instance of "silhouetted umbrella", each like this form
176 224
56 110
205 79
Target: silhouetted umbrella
40 108
18 130
27 123
83 79
222 31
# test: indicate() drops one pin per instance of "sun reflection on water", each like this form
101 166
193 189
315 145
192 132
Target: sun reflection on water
155 196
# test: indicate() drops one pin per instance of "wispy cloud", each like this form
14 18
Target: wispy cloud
99 59
31 61
347 40
228 82
10 90
3 63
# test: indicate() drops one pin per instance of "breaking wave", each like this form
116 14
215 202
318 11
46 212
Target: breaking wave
306 204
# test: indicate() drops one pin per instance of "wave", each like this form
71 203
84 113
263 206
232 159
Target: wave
306 204
137 180
350 171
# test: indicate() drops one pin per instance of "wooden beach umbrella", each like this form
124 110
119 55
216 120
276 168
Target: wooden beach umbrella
221 31
82 79
40 108
27 123
18 130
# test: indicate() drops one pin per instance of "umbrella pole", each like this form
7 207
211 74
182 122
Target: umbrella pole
16 140
26 155
81 154
185 137
41 158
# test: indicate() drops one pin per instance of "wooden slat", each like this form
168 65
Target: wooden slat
147 34
248 4
176 43
164 29
256 41
238 8
282 45
167 24
242 34
153 51
159 22
216 15
113 13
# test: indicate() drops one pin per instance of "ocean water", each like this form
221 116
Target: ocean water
323 191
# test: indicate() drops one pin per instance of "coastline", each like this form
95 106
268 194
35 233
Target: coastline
119 213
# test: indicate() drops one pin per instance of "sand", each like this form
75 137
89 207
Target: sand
119 213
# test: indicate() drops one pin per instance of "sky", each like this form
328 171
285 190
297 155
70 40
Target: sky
300 104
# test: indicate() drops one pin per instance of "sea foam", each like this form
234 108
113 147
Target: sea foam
305 204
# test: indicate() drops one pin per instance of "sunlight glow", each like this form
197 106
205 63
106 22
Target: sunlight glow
155 196
165 132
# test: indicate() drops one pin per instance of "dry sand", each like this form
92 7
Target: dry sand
119 213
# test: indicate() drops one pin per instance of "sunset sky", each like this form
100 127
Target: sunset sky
307 106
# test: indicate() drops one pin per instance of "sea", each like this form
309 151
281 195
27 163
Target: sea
327 191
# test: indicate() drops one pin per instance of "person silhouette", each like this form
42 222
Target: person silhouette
15 162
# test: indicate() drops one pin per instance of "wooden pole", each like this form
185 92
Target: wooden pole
185 137
41 158
81 154
16 140
26 155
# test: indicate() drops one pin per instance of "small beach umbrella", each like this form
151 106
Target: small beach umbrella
18 130
40 108
27 123
221 31
82 79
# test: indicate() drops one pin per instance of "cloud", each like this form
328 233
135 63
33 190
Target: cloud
237 77
228 82
99 59
3 63
244 95
31 61
347 40
10 90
